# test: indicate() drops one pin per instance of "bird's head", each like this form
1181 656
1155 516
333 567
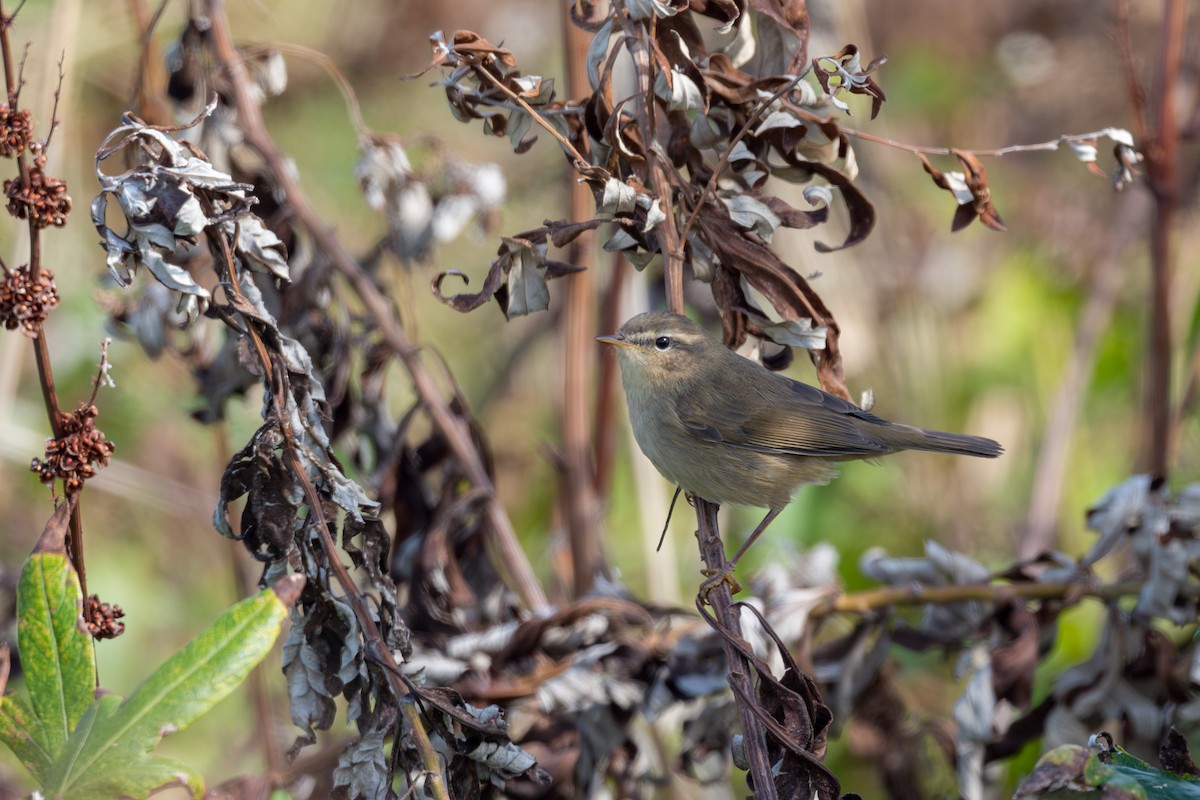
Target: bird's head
660 350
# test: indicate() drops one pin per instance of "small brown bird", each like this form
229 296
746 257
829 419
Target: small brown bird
729 430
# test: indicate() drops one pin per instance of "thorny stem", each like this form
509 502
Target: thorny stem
454 430
883 597
352 594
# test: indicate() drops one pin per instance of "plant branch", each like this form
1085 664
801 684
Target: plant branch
514 563
916 595
669 243
728 617
710 187
528 109
277 373
579 354
1162 171
996 152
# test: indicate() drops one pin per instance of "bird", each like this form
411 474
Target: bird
730 431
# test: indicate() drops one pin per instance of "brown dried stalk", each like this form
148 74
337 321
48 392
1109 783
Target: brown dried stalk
514 563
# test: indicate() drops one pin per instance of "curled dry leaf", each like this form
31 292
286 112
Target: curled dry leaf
846 67
970 189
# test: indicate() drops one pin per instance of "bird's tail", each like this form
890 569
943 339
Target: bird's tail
911 438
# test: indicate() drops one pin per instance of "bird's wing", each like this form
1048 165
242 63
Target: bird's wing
793 418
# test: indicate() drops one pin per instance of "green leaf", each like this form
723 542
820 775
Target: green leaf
22 732
1159 785
109 748
60 665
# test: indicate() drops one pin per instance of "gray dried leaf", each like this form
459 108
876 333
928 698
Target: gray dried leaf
752 214
1116 515
974 715
263 250
362 772
525 277
598 50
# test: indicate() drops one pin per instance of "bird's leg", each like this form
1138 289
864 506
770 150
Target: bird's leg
667 524
718 576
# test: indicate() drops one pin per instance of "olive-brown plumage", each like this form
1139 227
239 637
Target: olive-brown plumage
728 430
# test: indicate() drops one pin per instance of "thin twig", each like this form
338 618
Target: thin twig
54 121
997 152
710 187
277 373
330 66
454 430
871 600
537 117
1050 469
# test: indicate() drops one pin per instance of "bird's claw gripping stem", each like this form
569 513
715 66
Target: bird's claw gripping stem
715 577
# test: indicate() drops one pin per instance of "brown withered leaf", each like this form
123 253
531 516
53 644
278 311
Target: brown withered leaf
1015 659
466 301
469 44
517 278
785 289
980 191
856 79
970 189
1174 756
792 15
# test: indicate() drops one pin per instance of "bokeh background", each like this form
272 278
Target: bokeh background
1035 337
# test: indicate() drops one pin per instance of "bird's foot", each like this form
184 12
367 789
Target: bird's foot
715 577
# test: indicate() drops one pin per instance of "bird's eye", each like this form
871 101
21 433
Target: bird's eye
662 343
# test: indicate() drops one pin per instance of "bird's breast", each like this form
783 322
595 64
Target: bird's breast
717 471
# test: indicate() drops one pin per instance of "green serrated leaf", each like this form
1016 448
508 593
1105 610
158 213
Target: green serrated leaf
115 735
62 676
22 732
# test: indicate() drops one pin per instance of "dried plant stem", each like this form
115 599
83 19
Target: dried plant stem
711 186
579 355
606 387
276 373
938 150
669 242
740 676
1050 472
1162 170
886 596
326 63
41 349
515 565
528 109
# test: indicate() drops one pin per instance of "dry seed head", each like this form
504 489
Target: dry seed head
16 128
25 302
101 619
44 201
78 455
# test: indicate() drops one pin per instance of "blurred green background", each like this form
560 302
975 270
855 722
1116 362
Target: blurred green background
974 332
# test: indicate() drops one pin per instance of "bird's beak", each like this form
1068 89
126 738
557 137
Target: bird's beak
617 340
